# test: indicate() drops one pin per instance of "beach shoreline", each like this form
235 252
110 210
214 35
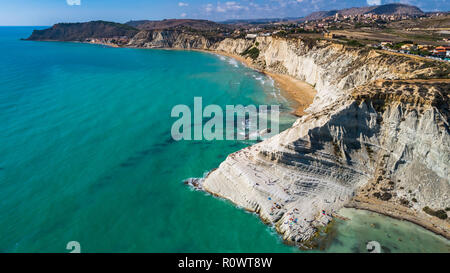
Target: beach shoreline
303 95
429 223
299 92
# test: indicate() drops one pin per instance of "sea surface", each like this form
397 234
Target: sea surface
86 155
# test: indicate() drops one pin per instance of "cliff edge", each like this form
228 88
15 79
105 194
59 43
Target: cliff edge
375 137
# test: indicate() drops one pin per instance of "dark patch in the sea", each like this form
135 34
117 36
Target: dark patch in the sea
386 249
101 184
235 144
145 152
135 159
169 140
355 249
127 164
338 242
167 171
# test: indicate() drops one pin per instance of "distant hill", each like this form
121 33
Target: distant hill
81 31
388 9
259 21
202 25
433 22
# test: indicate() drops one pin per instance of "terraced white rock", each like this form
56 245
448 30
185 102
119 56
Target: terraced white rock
356 129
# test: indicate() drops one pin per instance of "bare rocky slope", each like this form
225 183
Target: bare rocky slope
376 136
200 25
83 31
387 9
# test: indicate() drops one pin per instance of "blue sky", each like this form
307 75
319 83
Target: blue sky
48 12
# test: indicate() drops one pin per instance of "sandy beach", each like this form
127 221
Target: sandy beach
296 90
299 91
433 224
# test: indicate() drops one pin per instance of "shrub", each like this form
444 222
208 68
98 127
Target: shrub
354 43
441 214
404 202
252 52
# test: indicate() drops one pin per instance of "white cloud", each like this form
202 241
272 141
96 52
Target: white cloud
73 2
183 15
183 4
374 2
230 6
209 8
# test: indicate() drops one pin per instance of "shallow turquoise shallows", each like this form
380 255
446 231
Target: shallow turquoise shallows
86 154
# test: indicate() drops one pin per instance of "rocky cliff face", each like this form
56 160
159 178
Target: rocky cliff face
373 135
394 149
170 39
376 136
82 31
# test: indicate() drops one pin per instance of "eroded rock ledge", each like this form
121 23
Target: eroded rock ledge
376 132
376 137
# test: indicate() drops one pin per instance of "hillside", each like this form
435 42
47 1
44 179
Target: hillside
201 25
375 137
434 22
82 31
388 9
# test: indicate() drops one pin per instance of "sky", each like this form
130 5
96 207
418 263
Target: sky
49 12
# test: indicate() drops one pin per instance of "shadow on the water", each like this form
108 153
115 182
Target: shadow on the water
132 161
386 249
355 249
138 157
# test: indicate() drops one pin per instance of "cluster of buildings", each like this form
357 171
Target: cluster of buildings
340 21
372 16
441 52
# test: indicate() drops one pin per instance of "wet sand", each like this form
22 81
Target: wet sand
299 91
433 224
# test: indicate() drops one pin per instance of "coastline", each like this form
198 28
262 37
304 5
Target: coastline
302 93
429 223
297 91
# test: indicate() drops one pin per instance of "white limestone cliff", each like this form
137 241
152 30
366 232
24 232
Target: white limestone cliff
370 127
375 137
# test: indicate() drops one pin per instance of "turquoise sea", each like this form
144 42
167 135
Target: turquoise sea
86 154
